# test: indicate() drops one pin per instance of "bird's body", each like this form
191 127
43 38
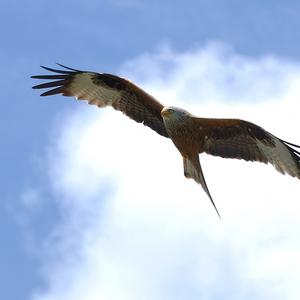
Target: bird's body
228 138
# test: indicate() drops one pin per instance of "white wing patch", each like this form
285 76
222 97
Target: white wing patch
83 88
280 157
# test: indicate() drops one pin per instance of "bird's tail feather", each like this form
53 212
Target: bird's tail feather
192 169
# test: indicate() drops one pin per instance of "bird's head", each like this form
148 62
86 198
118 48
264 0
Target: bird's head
174 113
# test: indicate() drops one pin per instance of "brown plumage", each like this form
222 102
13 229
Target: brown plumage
228 138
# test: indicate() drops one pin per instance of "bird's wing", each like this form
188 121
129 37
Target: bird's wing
103 89
232 138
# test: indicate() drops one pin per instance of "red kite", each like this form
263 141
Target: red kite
228 138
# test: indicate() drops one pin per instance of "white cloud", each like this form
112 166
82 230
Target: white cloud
135 228
213 73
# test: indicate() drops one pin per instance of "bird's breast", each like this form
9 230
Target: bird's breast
184 136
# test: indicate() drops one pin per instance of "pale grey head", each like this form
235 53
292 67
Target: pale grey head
173 113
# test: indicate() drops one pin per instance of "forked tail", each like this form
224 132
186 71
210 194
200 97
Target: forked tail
192 169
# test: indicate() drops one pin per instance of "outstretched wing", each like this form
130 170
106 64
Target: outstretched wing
103 89
231 138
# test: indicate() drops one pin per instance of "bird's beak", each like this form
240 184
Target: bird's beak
165 113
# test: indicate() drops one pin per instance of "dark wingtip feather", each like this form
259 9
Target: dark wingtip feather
56 91
290 144
292 150
68 68
61 79
49 76
51 84
56 70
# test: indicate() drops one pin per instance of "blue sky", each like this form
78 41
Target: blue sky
245 55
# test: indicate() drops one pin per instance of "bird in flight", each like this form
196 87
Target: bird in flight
192 135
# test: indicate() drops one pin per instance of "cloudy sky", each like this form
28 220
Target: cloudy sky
95 206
